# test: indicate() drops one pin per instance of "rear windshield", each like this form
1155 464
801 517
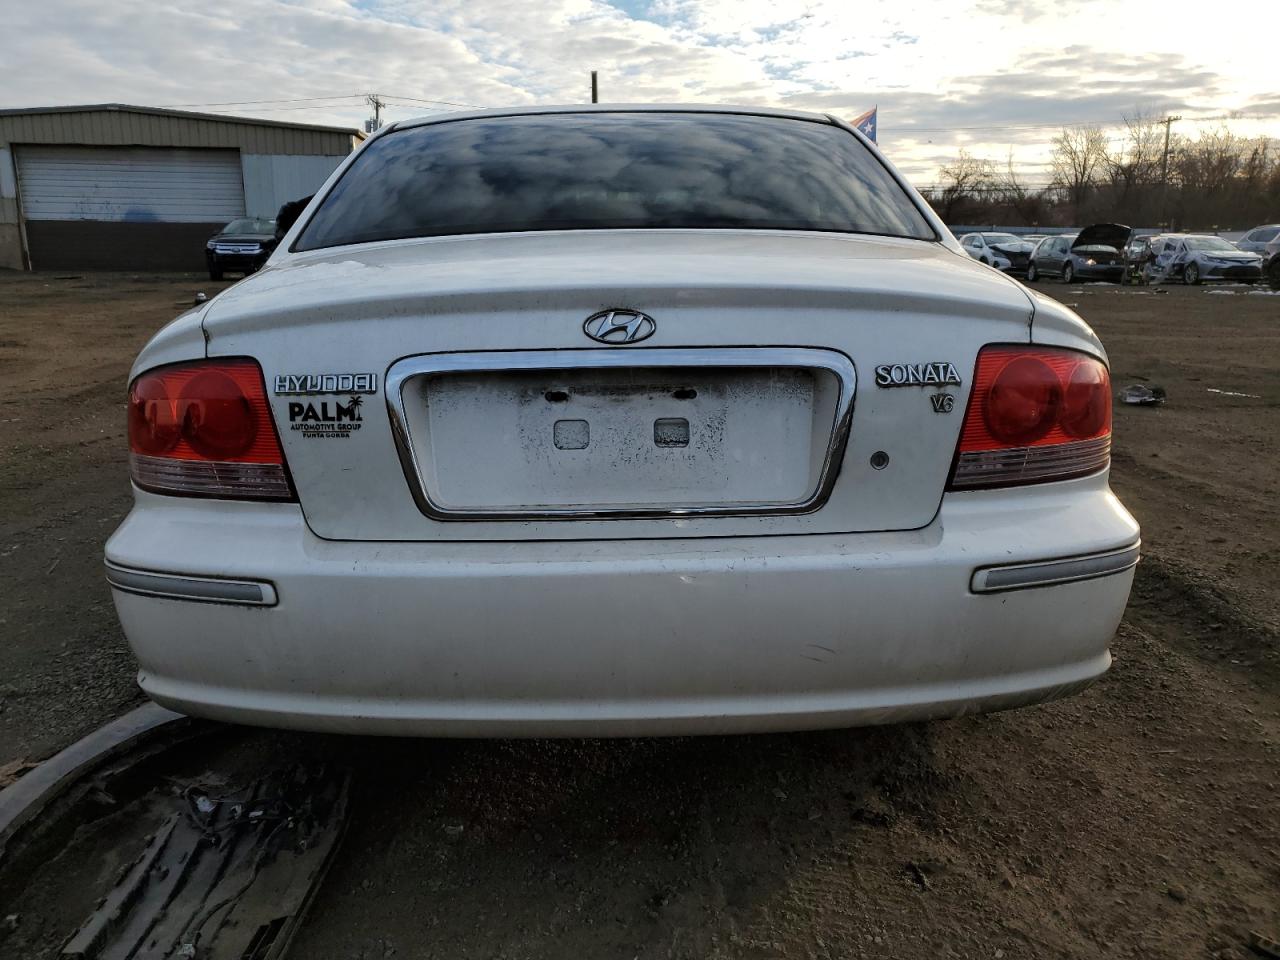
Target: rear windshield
250 225
1210 243
601 171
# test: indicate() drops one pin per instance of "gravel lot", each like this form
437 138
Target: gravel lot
1139 819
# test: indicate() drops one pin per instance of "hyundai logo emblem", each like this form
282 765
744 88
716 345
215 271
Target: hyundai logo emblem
619 326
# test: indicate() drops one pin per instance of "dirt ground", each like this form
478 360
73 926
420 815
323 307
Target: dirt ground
1138 819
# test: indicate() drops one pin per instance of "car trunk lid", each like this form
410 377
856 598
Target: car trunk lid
753 407
1113 235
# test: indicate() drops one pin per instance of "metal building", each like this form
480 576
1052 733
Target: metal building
112 186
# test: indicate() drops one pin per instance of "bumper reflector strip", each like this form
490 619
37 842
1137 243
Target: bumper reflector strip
1048 572
172 586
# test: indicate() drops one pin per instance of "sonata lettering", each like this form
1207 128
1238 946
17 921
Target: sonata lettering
939 373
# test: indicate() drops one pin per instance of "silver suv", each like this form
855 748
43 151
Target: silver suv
1257 239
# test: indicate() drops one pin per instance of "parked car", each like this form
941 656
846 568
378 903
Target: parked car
1256 240
1137 254
543 422
1093 254
242 246
1194 259
1271 263
1004 251
1157 250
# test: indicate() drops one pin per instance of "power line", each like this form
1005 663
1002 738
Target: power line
273 106
318 106
447 103
245 103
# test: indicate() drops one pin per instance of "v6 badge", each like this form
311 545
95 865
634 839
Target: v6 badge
943 402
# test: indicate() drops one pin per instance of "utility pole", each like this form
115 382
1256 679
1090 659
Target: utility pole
595 88
1164 172
376 123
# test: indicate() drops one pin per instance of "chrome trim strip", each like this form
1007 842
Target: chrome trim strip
804 357
1047 572
175 586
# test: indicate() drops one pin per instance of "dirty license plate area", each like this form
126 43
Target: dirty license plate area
630 439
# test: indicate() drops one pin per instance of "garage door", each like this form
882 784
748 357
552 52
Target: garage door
130 184
125 207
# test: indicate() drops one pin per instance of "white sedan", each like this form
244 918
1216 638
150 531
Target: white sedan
1004 251
612 421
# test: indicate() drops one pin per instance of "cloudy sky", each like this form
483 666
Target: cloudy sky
993 76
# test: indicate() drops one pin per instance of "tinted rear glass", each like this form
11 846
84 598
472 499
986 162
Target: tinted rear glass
600 171
250 225
1210 243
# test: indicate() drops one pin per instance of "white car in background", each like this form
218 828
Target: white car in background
1004 251
613 421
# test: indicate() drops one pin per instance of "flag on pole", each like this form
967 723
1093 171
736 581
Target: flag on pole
867 124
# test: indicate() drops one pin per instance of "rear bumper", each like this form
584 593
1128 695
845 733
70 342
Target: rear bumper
1222 272
235 262
1016 265
1111 272
622 637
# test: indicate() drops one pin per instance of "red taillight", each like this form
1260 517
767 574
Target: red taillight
1022 401
154 428
204 428
1086 401
1035 414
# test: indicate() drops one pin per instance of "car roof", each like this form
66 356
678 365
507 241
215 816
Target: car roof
527 111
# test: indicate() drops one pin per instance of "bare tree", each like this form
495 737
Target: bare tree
1133 168
1077 161
1211 161
1208 170
963 180
1260 181
1254 163
1216 180
1269 191
1026 205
